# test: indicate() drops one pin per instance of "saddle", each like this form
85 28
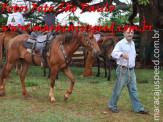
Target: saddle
39 44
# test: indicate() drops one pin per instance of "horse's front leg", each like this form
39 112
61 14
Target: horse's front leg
5 72
68 73
24 70
52 83
98 66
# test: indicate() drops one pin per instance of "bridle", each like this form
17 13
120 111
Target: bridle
88 43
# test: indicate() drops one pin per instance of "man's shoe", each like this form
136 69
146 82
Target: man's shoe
143 112
114 111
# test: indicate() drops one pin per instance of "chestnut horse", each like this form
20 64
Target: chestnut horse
106 46
56 59
4 41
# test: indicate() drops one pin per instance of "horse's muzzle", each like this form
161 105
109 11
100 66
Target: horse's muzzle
96 53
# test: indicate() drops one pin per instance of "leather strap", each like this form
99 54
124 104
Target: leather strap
33 61
64 53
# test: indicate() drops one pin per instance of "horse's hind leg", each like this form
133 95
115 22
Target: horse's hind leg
105 66
5 72
109 73
24 70
68 73
49 73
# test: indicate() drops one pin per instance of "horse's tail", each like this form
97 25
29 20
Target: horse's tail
2 36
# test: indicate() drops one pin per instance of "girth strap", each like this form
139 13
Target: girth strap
44 52
33 61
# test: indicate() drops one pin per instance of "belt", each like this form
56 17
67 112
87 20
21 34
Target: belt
126 67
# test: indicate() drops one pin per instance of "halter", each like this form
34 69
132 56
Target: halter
88 43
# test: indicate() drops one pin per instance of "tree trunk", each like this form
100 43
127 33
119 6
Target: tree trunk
153 16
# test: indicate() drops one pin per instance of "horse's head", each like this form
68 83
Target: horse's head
107 45
88 41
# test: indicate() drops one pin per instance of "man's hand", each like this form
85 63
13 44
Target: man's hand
124 55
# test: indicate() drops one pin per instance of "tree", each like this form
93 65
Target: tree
77 3
3 19
152 12
117 16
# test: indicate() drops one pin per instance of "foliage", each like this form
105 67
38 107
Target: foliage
103 18
3 20
143 2
76 19
117 16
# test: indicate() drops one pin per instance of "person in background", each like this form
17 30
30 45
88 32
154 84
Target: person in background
71 23
49 19
15 19
125 54
97 37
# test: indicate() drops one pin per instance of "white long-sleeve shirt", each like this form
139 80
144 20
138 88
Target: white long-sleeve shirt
124 46
15 18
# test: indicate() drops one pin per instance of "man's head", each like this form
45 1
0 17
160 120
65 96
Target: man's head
128 34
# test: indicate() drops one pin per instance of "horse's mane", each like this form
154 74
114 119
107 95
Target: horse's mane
66 38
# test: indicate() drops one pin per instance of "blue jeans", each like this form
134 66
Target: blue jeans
132 89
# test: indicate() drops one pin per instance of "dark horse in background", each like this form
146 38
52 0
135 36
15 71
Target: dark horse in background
5 38
106 46
56 59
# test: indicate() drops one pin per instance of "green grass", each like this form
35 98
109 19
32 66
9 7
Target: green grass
87 103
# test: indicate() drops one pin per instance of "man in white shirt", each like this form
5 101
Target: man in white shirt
16 19
125 54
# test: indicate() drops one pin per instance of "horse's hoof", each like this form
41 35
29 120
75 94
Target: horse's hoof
65 98
81 76
53 101
28 96
2 94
